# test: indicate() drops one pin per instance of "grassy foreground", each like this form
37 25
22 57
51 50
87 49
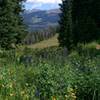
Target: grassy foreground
50 73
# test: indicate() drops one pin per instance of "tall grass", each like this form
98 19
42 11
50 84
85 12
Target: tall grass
50 74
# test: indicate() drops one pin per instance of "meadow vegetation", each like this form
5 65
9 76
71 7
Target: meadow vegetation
50 74
46 71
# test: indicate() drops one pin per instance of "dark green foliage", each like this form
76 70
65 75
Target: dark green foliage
85 16
65 36
87 79
78 77
79 22
11 28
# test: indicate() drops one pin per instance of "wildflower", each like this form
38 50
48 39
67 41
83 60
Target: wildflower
70 90
11 94
22 92
74 97
3 85
26 84
11 85
73 94
54 98
66 96
98 47
11 72
26 96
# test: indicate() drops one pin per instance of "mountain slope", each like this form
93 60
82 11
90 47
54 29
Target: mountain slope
41 19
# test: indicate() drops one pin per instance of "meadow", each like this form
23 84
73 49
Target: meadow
50 73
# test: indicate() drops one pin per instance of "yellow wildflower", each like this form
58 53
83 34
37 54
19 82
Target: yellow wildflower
73 94
74 97
22 92
11 72
54 98
71 90
3 85
11 94
11 85
26 84
26 96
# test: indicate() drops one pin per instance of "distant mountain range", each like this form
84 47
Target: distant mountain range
40 19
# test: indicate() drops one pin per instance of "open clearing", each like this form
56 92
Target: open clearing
46 43
54 42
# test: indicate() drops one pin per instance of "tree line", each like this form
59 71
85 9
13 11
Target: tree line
79 22
40 35
12 29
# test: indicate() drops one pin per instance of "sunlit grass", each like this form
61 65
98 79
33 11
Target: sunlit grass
46 43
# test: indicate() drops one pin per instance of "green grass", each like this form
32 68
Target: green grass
53 42
46 43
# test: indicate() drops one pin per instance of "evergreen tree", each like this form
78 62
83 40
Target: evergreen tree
65 32
11 25
85 15
79 22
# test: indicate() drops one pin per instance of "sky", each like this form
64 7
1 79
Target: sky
42 4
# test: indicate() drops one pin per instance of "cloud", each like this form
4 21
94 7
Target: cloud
42 4
44 1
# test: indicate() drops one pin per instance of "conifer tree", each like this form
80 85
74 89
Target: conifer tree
11 25
79 22
65 32
85 16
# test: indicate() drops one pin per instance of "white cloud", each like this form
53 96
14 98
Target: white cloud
42 4
44 1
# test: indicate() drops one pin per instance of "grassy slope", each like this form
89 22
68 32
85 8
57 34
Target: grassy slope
46 43
54 42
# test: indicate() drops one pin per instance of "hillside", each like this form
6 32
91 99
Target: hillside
46 43
41 19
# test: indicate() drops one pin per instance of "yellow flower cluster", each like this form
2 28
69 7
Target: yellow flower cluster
71 94
12 94
53 98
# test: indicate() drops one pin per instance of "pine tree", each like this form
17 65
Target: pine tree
65 32
84 16
79 22
11 24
